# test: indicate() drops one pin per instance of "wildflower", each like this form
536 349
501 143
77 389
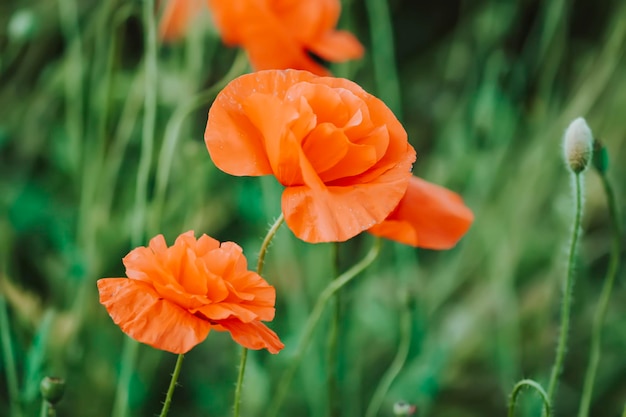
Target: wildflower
174 296
281 34
578 145
177 17
340 152
428 216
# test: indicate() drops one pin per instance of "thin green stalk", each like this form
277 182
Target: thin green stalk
259 269
242 370
567 292
175 124
600 314
312 322
383 56
170 390
547 409
47 409
396 365
129 355
9 360
333 345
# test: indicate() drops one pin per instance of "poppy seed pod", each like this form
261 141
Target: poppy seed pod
52 389
402 408
578 145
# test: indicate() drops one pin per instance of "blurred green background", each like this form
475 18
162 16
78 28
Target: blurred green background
485 90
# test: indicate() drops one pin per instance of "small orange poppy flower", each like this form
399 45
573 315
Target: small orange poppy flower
428 216
281 34
174 296
340 152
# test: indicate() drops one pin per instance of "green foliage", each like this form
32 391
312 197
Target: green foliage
487 89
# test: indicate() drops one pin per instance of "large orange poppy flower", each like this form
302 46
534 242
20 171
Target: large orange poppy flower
428 216
174 296
340 152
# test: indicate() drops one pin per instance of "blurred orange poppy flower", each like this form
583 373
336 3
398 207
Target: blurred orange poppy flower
428 216
174 296
276 34
176 18
340 152
281 34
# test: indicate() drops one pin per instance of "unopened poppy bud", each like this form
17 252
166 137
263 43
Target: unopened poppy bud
578 145
600 157
52 389
402 408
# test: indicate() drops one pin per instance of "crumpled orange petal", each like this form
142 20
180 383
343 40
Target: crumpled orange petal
174 296
253 335
428 216
144 316
340 152
280 34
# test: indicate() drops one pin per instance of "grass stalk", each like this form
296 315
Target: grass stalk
603 303
383 55
313 320
174 126
9 360
131 347
73 80
396 365
333 345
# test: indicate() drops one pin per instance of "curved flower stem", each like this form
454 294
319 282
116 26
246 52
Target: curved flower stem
129 354
174 125
598 320
396 365
314 319
170 390
567 292
266 242
547 409
259 269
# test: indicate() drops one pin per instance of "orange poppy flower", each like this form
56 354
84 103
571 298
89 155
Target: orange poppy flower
428 216
280 34
340 152
177 17
174 296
